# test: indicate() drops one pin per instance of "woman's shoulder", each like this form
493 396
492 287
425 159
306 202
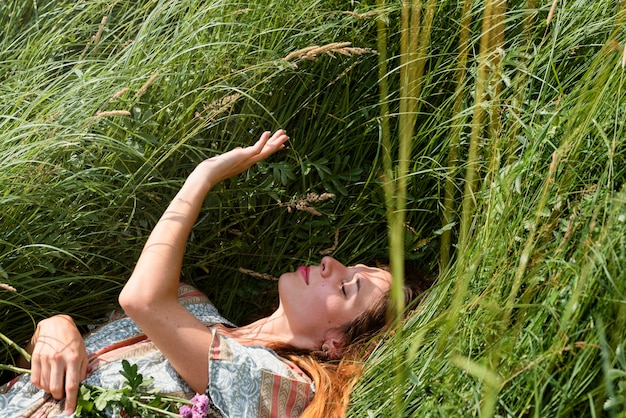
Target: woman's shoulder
255 381
228 350
199 304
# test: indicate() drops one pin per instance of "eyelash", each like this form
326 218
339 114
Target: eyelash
343 289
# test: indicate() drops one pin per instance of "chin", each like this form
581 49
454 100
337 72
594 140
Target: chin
282 282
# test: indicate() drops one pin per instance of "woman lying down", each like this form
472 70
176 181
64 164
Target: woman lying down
302 360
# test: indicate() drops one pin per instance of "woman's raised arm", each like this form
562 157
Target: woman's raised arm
150 295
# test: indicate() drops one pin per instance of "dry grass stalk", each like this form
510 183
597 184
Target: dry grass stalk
303 204
118 94
551 13
344 72
96 38
103 22
218 106
312 52
334 247
111 113
453 149
624 57
367 15
7 287
146 85
253 273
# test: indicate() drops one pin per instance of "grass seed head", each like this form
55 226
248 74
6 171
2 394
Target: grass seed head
303 204
217 107
146 85
253 273
111 113
313 52
7 287
119 94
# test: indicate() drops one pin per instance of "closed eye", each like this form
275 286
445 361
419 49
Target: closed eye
343 289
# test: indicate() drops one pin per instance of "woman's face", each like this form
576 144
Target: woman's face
318 298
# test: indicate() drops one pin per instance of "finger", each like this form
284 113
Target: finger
72 383
267 145
84 366
35 371
57 378
279 140
279 133
260 144
276 142
44 374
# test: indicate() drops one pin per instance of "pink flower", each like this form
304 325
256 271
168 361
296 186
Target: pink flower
201 404
199 409
185 412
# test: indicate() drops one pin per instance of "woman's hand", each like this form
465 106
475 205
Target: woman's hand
238 160
59 359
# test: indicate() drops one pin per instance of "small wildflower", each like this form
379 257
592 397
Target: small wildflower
201 403
199 409
185 412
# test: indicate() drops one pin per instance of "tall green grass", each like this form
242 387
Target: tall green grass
514 182
529 318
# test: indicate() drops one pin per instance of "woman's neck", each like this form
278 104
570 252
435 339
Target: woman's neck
266 332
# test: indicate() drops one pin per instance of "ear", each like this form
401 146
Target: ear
335 340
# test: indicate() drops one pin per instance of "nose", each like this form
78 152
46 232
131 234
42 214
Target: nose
330 266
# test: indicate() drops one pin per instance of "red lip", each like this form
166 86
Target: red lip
304 271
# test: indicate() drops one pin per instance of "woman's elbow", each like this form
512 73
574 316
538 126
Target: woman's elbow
131 301
138 302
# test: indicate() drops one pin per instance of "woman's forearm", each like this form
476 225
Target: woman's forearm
156 275
155 278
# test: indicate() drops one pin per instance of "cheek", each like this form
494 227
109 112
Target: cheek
334 309
322 301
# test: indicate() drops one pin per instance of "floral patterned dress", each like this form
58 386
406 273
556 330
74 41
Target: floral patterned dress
244 381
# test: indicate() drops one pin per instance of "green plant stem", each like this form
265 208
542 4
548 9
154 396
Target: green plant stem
496 53
521 80
472 170
471 174
155 409
148 398
383 85
23 352
15 369
455 135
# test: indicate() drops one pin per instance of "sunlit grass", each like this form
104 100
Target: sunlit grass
106 107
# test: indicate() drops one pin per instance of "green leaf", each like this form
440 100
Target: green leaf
107 397
129 371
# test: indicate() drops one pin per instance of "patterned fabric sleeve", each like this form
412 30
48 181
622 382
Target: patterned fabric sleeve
252 381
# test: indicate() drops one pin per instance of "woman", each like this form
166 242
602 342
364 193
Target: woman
279 365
